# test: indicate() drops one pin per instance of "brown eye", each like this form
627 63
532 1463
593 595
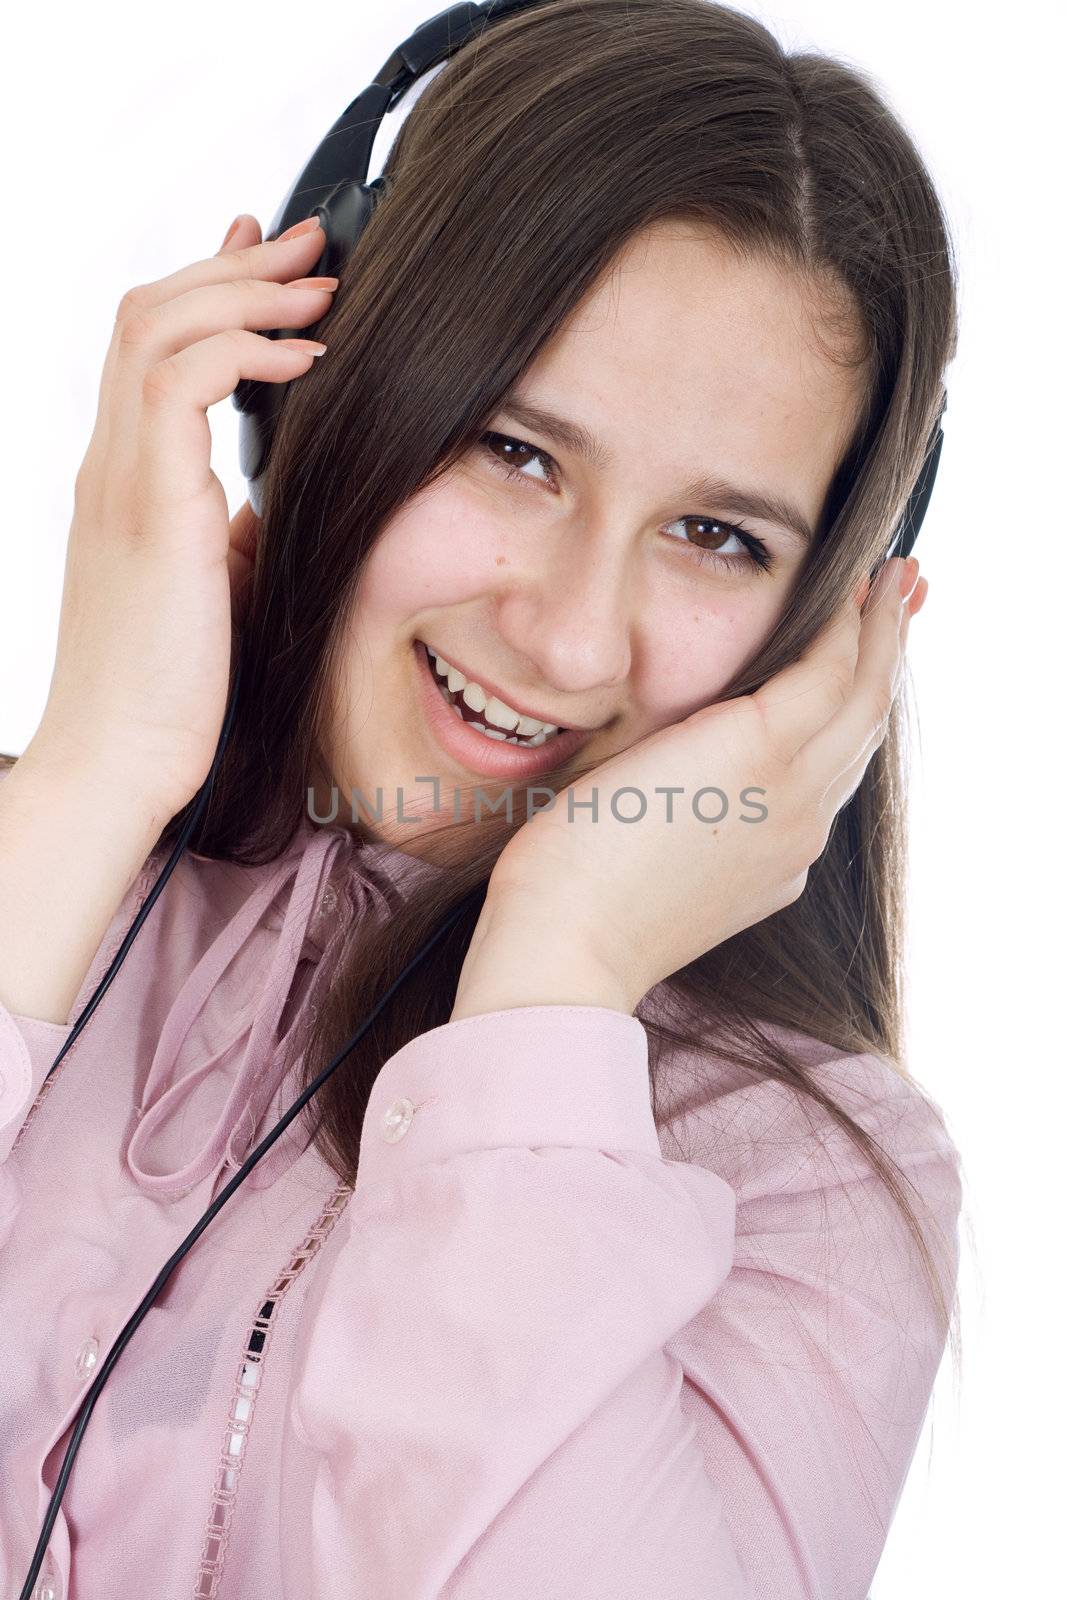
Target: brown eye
508 453
753 555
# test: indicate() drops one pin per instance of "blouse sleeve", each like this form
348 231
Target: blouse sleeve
28 1047
546 1360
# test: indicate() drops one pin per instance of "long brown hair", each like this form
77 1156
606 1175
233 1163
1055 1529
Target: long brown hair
523 168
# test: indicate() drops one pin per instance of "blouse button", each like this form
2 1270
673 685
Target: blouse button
85 1360
50 1586
397 1120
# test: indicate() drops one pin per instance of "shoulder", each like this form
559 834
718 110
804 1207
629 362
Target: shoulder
807 1187
751 1121
832 1322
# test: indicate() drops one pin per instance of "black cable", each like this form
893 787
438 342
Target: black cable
131 1326
164 1274
191 821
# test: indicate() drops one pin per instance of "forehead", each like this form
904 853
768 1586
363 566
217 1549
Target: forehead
710 360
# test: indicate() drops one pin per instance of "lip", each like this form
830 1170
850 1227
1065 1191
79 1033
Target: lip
491 757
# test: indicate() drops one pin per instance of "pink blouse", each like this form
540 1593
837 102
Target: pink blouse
536 1354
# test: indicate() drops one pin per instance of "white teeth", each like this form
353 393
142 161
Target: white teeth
495 733
531 730
502 715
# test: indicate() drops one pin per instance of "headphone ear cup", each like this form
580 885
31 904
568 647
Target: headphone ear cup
344 214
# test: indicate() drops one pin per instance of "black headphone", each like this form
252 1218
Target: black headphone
345 203
333 187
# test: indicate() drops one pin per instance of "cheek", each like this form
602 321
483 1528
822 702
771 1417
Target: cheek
692 654
441 549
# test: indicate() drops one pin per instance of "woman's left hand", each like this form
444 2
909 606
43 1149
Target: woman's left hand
590 909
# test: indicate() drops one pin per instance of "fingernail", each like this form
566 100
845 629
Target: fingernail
915 605
908 574
300 227
312 346
234 225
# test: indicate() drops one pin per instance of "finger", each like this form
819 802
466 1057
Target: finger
173 436
841 789
243 231
846 742
849 781
152 334
243 255
279 259
801 699
244 532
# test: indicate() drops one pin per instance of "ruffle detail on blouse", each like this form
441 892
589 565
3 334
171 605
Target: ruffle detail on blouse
305 870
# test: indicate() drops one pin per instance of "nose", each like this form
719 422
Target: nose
569 616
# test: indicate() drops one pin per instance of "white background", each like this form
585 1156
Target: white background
132 137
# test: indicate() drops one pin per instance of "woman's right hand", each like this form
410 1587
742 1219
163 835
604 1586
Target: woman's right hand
155 569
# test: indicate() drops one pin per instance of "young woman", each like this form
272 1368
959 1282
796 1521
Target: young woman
618 1256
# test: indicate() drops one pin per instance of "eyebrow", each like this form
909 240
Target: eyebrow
707 490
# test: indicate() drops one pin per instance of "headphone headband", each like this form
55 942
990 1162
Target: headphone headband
343 156
333 185
434 41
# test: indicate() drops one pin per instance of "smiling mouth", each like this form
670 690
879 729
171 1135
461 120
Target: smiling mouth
478 719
